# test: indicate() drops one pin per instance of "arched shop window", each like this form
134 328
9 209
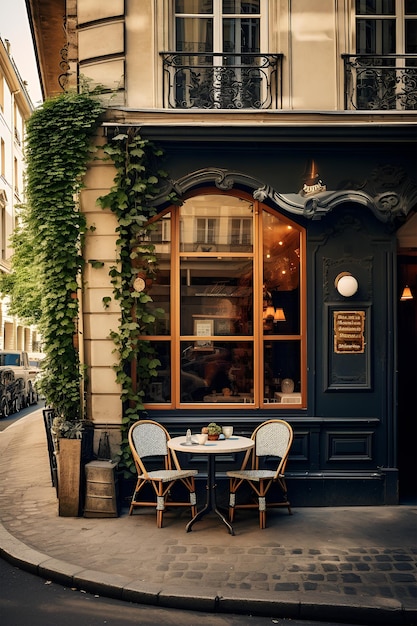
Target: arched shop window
230 281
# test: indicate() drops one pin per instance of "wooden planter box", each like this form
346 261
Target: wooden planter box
72 456
69 477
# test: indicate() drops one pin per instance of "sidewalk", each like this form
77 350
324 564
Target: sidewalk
346 565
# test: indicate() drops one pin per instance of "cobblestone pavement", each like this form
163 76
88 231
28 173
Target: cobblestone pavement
363 559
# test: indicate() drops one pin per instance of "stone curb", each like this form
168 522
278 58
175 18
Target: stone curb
325 607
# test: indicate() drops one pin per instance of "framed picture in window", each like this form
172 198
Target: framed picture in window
204 328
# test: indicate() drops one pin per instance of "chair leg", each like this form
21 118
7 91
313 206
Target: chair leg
160 507
132 502
283 485
193 503
262 511
232 502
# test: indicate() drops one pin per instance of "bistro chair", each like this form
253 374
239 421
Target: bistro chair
273 441
148 443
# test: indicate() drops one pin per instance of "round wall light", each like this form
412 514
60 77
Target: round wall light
346 284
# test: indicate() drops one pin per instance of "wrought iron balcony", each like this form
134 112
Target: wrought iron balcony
375 82
202 80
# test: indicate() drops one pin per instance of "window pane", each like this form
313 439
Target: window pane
241 233
281 277
241 6
411 36
159 286
160 305
193 6
375 36
207 223
217 372
159 388
194 35
281 362
241 35
216 296
375 7
411 7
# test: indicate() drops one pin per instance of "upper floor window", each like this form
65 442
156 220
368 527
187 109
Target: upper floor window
233 327
383 74
218 60
386 27
220 26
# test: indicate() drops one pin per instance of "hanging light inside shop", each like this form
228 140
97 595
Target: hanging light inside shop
279 315
269 312
406 294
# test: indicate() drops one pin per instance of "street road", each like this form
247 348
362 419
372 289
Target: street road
28 599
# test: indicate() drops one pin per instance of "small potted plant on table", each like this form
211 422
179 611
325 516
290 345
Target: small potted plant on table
213 431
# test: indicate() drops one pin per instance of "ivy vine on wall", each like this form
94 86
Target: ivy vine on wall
58 148
137 182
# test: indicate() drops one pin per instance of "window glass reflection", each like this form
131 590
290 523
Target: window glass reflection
241 36
216 292
281 277
375 7
213 372
158 282
282 372
216 223
194 6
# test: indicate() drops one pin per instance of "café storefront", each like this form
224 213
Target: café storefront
277 278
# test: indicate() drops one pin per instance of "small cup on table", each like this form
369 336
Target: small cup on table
227 431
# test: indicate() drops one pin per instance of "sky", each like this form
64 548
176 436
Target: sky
14 26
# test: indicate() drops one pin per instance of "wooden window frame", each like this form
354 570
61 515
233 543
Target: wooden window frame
257 338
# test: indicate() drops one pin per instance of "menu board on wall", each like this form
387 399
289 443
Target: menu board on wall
349 332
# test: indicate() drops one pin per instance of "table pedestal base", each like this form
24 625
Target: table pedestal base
211 503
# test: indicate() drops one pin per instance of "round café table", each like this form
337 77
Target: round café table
211 449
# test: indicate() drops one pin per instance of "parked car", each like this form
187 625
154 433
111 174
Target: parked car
18 361
12 392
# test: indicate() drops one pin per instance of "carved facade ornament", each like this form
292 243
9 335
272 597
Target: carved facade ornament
64 67
389 193
392 191
312 181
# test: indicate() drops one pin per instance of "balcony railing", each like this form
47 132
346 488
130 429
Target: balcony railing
202 80
375 82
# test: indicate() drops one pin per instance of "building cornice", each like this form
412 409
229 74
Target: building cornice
294 126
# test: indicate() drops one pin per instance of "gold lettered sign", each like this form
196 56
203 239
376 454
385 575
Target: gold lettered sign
349 332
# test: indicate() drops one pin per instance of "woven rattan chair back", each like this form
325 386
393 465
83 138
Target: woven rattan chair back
273 440
148 442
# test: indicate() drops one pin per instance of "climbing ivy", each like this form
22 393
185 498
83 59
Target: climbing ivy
22 284
58 148
137 182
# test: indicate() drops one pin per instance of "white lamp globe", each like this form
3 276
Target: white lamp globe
346 284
